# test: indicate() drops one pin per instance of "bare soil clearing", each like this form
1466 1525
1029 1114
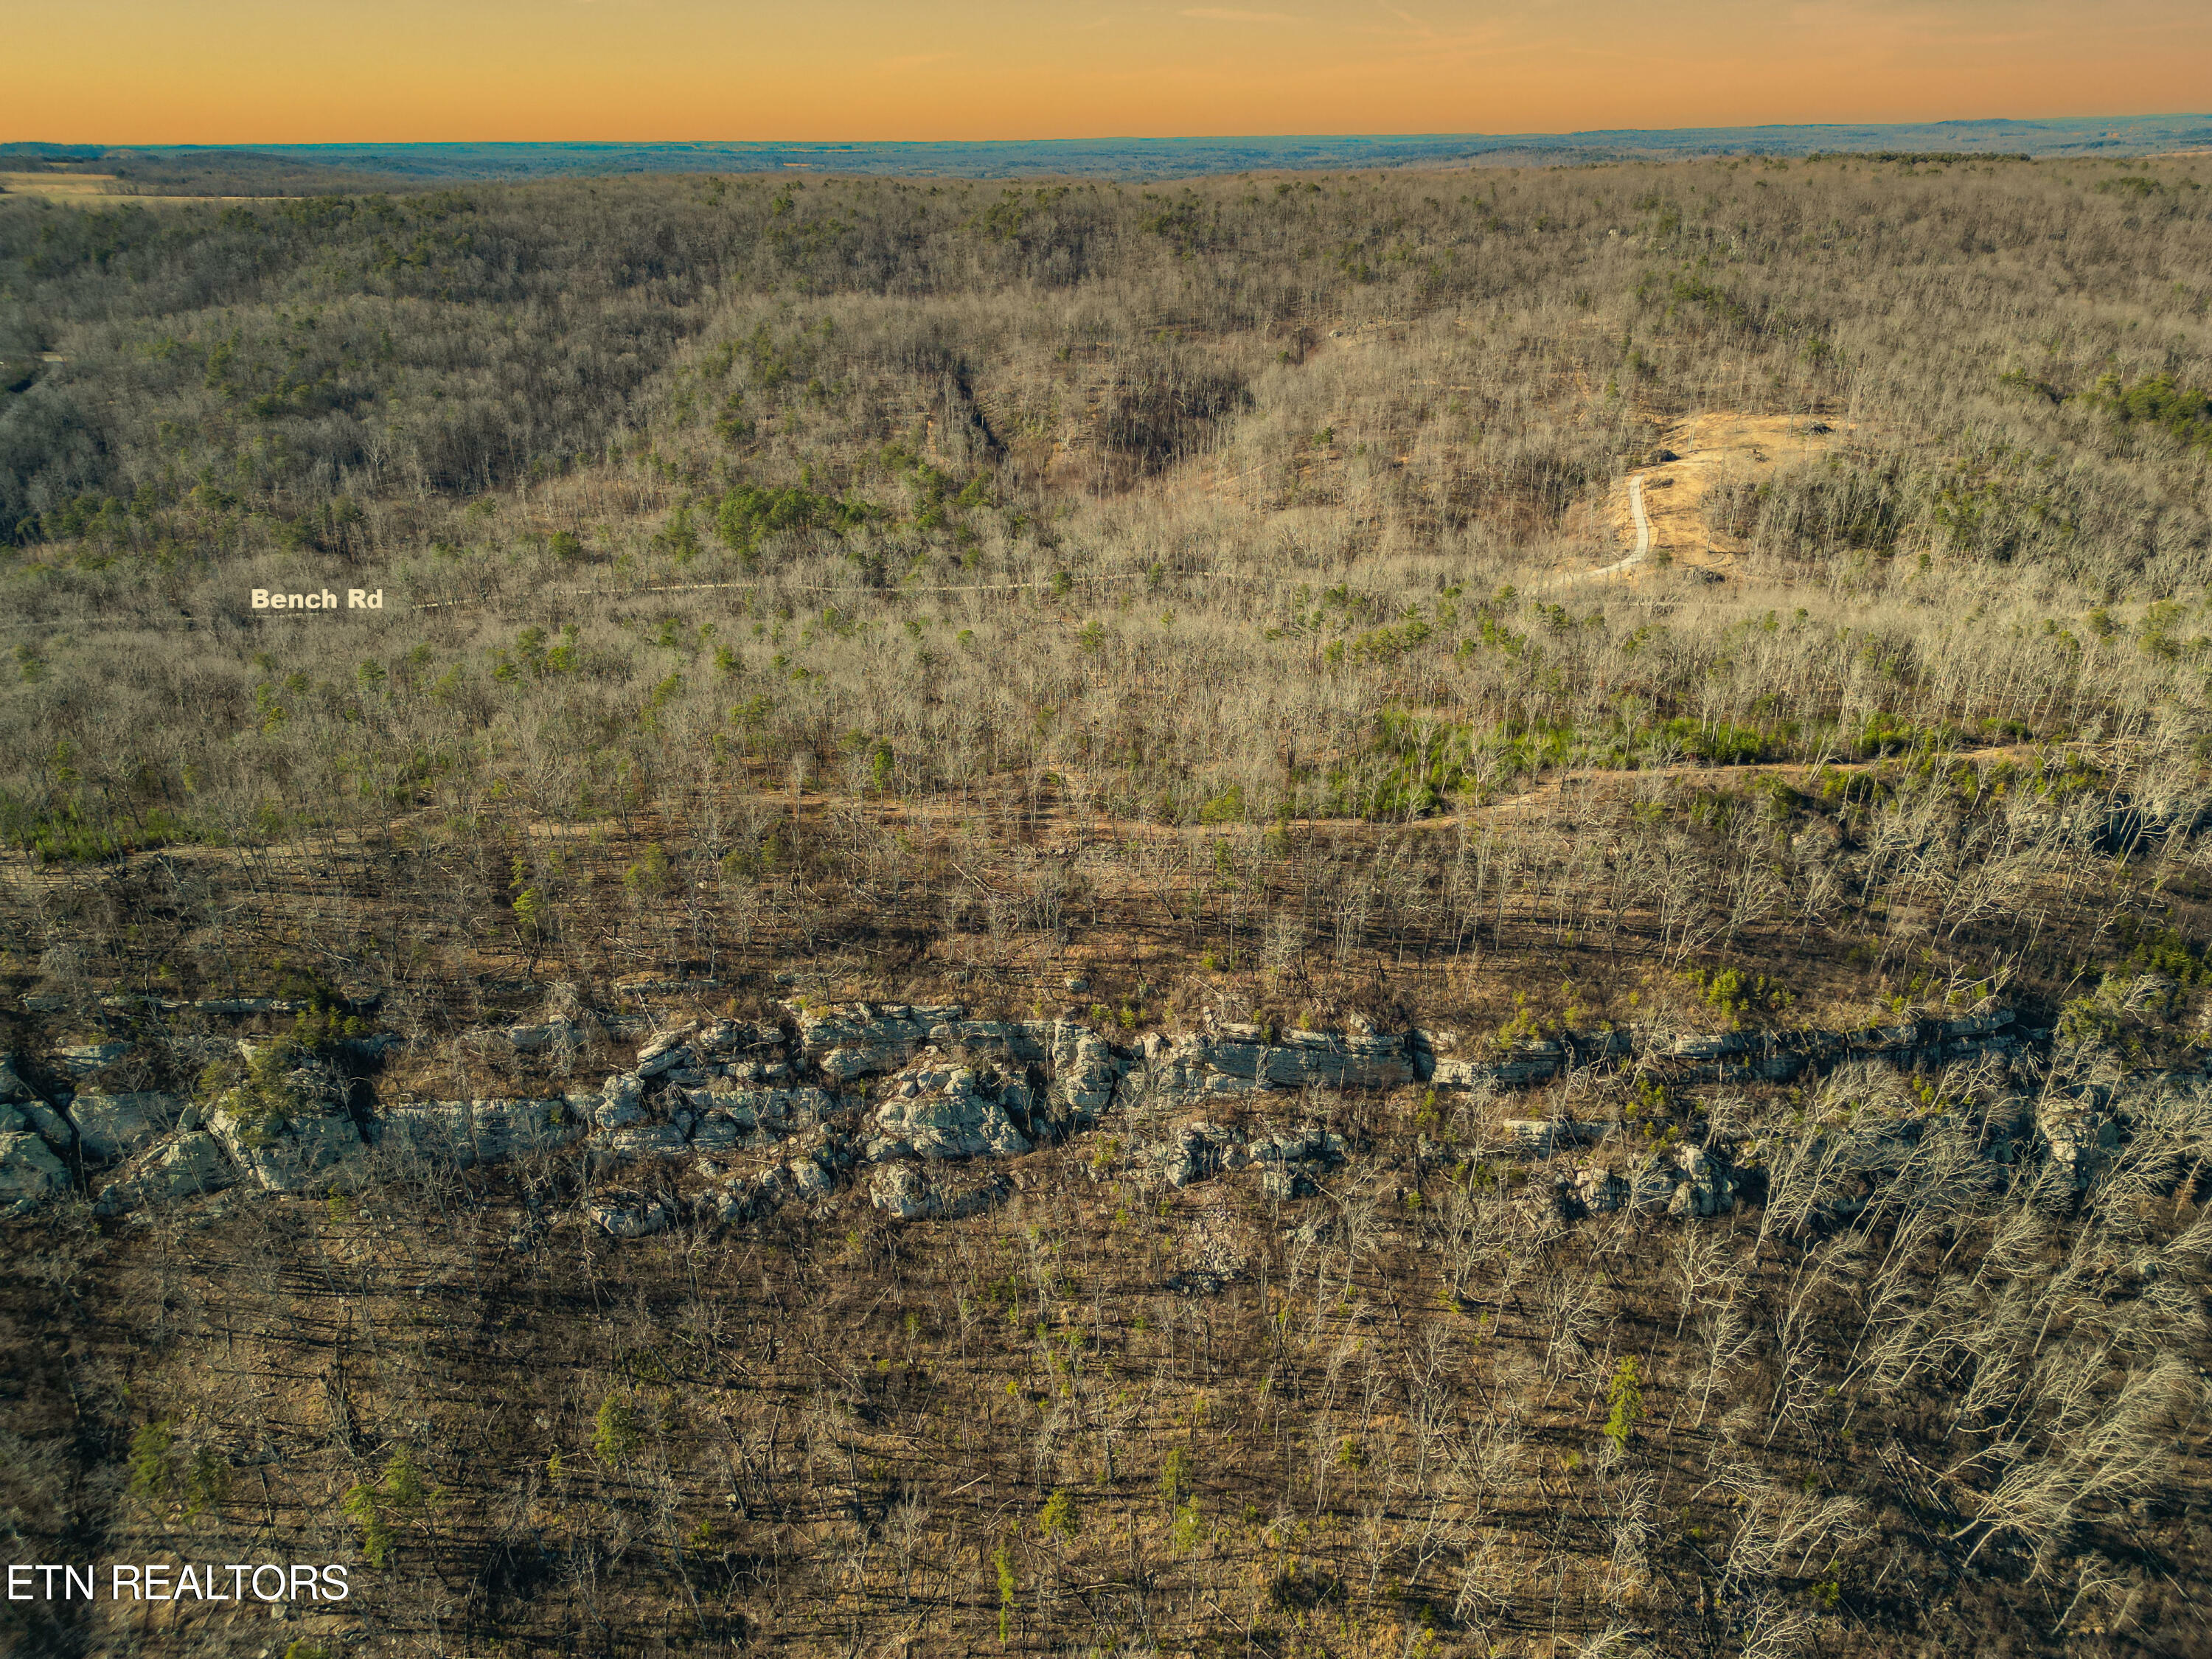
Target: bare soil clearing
1708 450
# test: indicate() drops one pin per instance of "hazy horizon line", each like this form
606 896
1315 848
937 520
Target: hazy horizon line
1111 138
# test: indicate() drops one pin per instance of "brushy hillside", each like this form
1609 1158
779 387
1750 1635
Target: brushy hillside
804 564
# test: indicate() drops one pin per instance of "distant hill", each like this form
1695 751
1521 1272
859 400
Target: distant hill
197 172
321 166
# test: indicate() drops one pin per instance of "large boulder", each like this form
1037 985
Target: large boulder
298 1155
1196 1151
1287 1158
1708 1189
1598 1190
40 1118
82 1059
939 1110
2079 1138
1083 1070
628 1215
1312 1146
12 1087
29 1173
190 1166
909 1192
622 1099
741 1198
111 1127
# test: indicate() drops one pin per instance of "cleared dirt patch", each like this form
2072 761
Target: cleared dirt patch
1706 450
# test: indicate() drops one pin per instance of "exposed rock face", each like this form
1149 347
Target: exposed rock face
1706 1189
1540 1137
12 1087
946 1093
29 1173
56 1129
1197 1151
190 1166
1083 1070
111 1127
645 1142
1287 1158
745 1198
35 1117
619 1102
856 1040
2077 1136
1598 1190
938 1110
1524 1063
1246 1060
85 1059
1081 1067
629 1215
730 1120
910 1192
302 1155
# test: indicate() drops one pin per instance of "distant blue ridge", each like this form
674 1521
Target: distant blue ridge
1168 158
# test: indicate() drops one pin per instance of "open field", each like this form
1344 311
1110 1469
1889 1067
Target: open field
103 189
1469 1091
58 187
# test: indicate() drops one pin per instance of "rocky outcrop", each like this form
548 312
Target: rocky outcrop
36 1117
631 1215
82 1059
1707 1186
1229 1060
297 1155
2078 1136
740 1199
936 1110
111 1127
754 1120
911 1192
724 1121
1288 1160
191 1166
12 1087
1538 1137
30 1174
856 1040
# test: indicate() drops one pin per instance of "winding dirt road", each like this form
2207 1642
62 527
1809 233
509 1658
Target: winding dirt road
1642 530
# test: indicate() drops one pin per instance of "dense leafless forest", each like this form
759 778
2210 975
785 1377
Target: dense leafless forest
1687 684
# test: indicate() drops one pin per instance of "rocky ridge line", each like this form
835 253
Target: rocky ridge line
729 1119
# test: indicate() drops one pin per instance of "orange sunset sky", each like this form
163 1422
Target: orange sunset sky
271 71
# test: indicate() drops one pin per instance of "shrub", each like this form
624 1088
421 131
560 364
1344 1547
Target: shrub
617 1431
